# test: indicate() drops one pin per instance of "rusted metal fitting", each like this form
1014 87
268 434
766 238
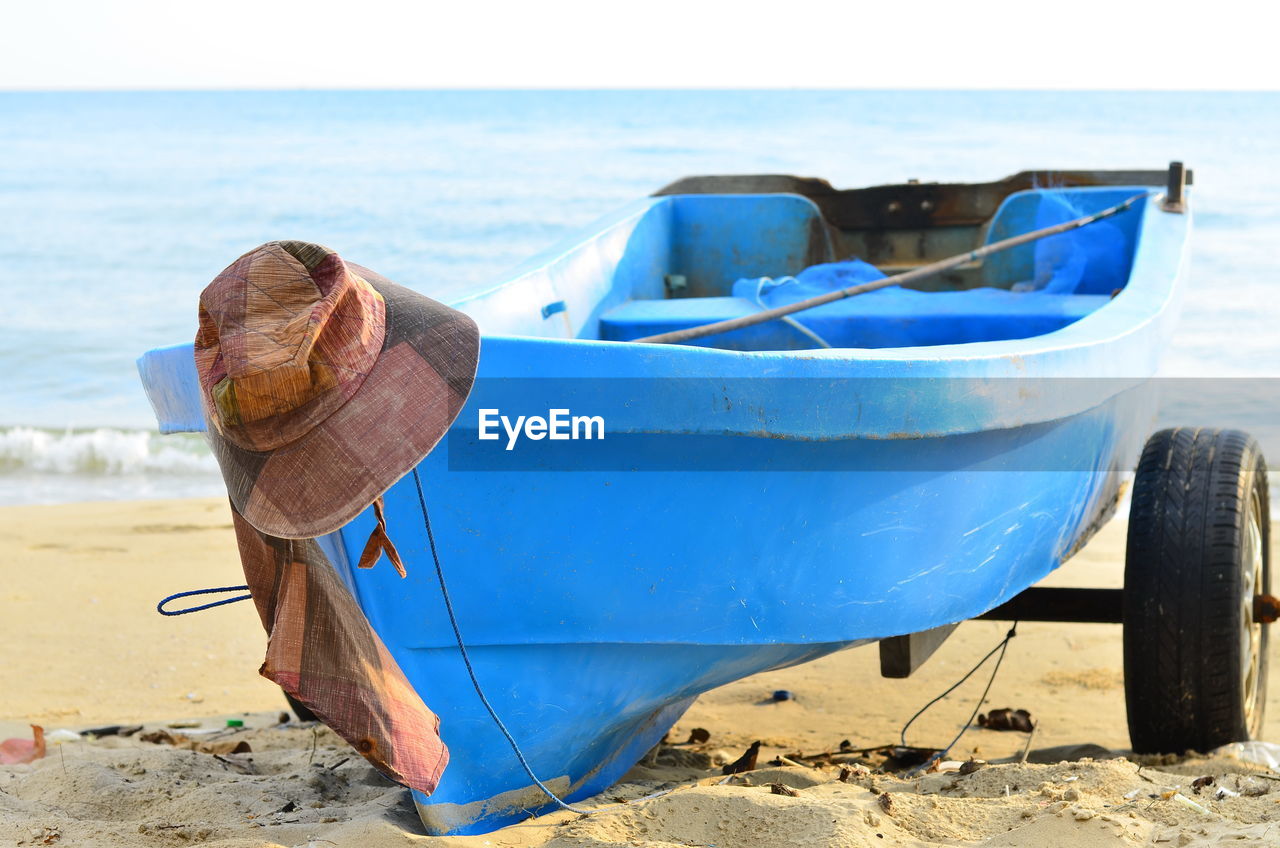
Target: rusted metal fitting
1266 609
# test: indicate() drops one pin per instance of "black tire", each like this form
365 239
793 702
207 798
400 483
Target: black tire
299 710
1195 663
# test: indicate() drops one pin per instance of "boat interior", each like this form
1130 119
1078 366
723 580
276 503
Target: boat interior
706 249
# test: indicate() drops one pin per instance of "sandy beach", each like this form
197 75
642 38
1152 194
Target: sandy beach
85 648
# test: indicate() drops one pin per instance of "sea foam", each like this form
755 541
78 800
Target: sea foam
103 451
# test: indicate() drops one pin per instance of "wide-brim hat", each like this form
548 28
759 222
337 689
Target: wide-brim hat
323 383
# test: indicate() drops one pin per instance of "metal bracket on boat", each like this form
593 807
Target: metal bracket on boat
900 656
1174 194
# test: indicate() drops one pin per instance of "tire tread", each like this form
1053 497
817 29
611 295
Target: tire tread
1183 583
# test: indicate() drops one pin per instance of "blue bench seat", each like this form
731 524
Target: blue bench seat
891 317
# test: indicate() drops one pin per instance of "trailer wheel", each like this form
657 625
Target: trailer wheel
1198 559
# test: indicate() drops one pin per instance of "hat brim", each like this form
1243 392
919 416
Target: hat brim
327 477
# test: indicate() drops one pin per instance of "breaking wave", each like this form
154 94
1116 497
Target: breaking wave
102 452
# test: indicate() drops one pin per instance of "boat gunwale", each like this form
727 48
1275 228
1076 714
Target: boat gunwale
1116 346
1146 295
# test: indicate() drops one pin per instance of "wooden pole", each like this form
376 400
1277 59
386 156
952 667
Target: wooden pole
912 276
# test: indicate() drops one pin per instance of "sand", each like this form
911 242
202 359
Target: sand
84 647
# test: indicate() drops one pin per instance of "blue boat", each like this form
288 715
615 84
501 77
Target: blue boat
711 510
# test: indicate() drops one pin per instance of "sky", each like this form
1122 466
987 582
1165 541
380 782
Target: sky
287 44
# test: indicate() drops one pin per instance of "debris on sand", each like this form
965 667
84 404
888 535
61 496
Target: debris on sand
164 794
179 740
1201 782
13 751
886 758
1006 719
112 730
747 762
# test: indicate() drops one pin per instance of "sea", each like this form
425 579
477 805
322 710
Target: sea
117 208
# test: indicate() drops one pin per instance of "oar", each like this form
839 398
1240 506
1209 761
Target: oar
920 273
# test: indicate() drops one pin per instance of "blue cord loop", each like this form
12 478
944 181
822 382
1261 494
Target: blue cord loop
160 606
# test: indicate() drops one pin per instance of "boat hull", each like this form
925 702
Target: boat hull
597 603
745 510
582 715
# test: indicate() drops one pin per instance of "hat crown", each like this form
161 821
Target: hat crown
287 334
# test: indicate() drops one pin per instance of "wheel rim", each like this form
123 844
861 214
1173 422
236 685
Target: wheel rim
1251 632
